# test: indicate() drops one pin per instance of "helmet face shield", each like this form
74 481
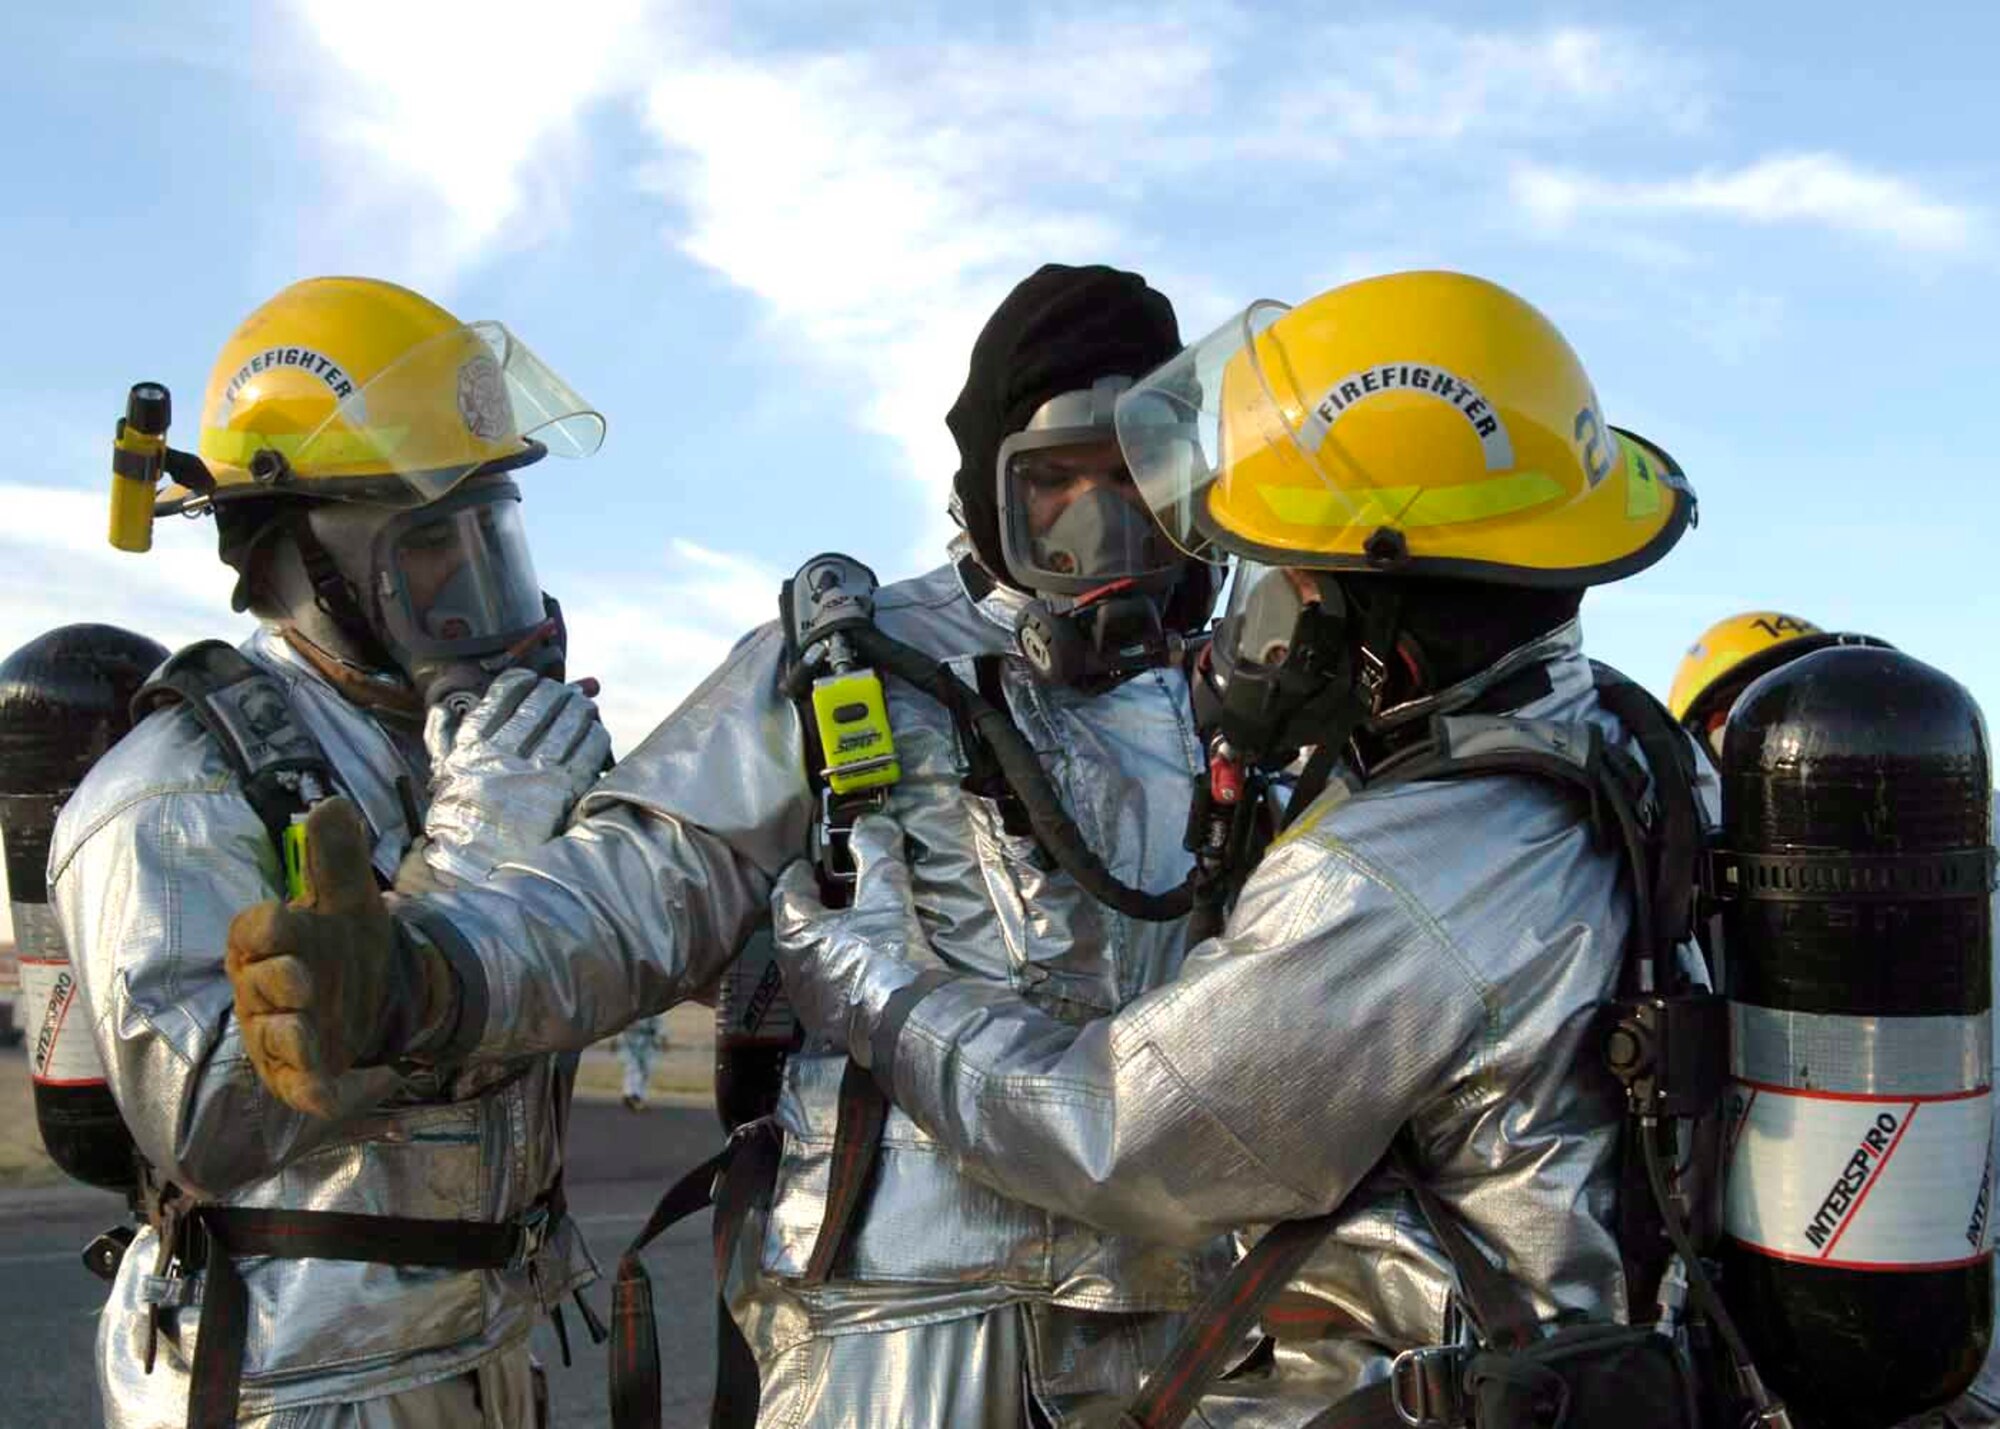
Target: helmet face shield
455 579
1170 427
470 397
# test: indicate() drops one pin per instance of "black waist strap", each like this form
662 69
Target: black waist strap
1371 1407
731 1180
214 1236
389 1240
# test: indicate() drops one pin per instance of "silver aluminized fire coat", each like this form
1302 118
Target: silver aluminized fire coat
1429 955
152 857
953 1292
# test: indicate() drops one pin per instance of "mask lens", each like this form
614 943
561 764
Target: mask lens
1075 519
436 578
464 580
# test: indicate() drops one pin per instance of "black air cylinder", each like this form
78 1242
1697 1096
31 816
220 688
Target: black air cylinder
63 703
1857 925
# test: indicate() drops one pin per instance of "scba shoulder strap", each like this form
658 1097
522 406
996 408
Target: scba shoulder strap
249 715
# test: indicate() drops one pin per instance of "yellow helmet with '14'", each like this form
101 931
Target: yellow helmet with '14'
1732 653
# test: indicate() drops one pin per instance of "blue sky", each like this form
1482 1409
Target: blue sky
761 240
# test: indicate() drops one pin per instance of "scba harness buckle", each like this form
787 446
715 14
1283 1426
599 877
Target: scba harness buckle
831 852
106 1253
532 1231
1424 1387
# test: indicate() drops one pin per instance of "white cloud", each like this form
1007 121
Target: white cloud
61 570
453 124
1425 83
651 641
875 199
880 204
1819 189
878 201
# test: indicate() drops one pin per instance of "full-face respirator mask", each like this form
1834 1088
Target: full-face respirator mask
1075 532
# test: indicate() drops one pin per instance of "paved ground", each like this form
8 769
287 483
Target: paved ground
619 1163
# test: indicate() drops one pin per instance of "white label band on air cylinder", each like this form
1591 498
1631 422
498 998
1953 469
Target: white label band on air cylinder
1860 1181
60 1052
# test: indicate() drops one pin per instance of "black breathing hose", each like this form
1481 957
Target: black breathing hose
1766 1409
1023 770
1207 921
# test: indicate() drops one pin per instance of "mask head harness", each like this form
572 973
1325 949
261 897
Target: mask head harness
1074 532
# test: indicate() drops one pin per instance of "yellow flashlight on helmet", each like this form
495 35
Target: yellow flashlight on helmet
138 459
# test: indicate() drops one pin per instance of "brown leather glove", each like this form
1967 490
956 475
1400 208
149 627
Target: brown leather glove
328 982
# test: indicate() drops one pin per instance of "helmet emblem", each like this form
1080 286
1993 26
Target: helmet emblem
482 400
